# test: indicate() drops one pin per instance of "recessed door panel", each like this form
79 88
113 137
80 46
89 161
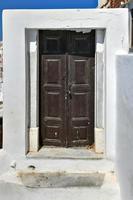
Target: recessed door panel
52 42
81 43
79 105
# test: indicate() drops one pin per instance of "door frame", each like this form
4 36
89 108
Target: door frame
99 112
68 53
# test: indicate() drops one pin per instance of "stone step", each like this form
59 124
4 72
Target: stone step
33 178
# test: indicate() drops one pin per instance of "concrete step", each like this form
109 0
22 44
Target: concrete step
47 173
34 179
43 179
67 165
18 192
60 179
66 153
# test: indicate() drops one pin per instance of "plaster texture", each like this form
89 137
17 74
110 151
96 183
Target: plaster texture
32 76
124 145
36 179
33 139
5 161
57 179
82 153
115 23
19 192
32 73
100 92
99 141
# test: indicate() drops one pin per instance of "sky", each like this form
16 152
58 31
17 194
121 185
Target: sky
46 4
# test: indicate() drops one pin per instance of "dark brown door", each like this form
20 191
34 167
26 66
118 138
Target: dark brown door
53 87
67 88
81 104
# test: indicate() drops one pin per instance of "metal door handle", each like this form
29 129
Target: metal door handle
70 95
69 92
66 97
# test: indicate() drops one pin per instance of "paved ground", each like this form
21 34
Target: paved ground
17 192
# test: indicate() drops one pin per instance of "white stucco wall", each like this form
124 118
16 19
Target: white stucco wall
115 22
124 147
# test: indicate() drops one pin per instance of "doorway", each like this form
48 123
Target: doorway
67 74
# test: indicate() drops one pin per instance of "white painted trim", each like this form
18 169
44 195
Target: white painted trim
99 140
33 139
100 91
99 136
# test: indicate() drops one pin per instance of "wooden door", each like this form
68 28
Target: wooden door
67 88
81 101
53 87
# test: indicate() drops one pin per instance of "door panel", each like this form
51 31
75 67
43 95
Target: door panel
52 113
81 43
81 124
52 42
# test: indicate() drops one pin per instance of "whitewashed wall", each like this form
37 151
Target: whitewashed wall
115 22
124 129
